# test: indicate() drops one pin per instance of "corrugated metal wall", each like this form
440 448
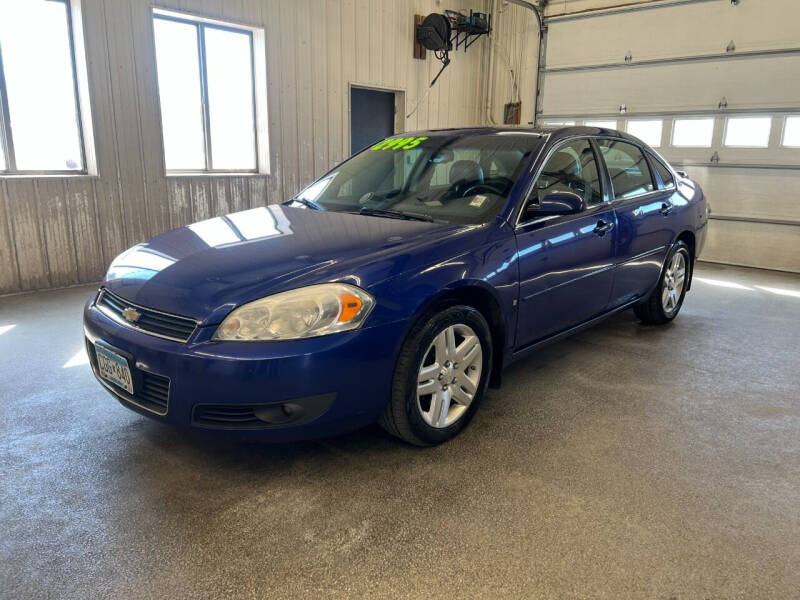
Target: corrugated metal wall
61 231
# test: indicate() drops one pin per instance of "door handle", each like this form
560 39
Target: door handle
603 227
666 208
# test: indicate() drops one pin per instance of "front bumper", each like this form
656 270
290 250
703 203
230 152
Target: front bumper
272 391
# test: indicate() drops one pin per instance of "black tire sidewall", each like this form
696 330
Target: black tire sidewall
433 326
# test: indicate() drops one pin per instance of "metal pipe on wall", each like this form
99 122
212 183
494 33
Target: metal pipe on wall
540 53
490 80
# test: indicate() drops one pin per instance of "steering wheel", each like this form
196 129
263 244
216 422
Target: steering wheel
478 186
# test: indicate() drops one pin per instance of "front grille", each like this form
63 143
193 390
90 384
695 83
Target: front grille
150 391
150 321
227 416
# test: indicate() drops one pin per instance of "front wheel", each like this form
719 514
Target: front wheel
440 377
666 300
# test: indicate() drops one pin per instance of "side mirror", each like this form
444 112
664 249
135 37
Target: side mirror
558 203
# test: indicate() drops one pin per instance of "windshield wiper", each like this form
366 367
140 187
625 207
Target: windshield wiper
307 203
393 214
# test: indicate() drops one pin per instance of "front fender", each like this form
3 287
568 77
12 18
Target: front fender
492 269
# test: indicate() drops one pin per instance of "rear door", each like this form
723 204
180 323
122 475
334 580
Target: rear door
644 232
565 262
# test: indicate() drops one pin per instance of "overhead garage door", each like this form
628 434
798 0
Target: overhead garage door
715 86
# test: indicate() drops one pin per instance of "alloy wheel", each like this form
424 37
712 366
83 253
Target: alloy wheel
674 279
448 376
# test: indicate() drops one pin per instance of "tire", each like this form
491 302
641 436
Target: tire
433 399
665 302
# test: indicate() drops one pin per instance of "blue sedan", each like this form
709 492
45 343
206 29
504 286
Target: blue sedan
396 287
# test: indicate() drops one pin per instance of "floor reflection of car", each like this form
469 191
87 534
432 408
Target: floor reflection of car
396 287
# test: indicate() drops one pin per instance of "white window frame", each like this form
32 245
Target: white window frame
751 116
260 106
589 123
675 120
660 142
783 131
83 107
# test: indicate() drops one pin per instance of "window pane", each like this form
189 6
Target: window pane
572 168
627 168
748 132
558 123
693 133
602 124
647 131
663 172
230 99
179 88
37 61
791 132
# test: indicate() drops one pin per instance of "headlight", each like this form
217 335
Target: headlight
302 313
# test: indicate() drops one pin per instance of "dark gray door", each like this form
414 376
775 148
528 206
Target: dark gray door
371 117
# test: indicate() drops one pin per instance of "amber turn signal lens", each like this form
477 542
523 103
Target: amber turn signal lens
351 305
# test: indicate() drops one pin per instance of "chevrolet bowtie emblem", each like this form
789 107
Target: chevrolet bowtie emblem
131 315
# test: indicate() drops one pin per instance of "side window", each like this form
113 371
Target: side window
627 167
572 168
663 172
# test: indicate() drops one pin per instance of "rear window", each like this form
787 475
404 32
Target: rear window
663 172
627 167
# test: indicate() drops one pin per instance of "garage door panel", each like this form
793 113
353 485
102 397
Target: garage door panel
687 86
753 245
786 158
671 32
750 193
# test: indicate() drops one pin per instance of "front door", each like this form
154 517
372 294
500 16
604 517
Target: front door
565 261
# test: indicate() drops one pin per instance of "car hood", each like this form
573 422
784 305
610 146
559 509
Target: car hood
205 269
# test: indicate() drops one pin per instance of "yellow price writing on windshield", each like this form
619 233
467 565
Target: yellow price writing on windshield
399 143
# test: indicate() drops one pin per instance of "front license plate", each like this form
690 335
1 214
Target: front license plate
114 368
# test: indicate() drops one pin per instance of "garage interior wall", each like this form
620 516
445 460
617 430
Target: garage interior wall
704 58
60 231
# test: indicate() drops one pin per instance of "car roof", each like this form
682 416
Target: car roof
553 132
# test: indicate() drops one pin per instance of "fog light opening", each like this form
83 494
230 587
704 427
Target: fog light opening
278 414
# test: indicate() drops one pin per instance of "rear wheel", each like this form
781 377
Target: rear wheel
666 300
440 377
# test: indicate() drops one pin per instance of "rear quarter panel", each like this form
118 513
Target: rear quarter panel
692 211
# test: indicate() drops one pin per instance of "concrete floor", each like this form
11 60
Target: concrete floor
626 462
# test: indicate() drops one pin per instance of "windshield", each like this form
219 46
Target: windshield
447 178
